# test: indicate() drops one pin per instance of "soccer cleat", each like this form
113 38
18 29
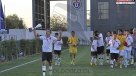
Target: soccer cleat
132 61
91 63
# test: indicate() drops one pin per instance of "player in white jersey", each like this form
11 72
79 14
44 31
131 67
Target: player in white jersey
47 48
94 50
100 48
57 50
107 39
114 52
128 48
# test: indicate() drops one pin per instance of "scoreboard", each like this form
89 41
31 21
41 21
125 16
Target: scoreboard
125 1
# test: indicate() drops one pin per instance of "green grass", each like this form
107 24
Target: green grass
82 67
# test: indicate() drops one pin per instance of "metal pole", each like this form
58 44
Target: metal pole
45 13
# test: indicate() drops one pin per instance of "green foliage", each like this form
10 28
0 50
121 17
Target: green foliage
13 22
10 49
58 22
65 39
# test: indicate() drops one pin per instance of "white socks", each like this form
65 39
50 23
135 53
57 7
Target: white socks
50 70
44 70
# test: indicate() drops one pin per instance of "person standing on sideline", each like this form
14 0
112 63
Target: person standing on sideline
100 48
93 58
114 52
121 48
73 42
47 49
107 39
134 47
128 48
57 50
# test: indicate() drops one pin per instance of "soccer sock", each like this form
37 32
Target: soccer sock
99 59
44 70
92 59
126 63
107 58
95 60
111 63
50 70
59 60
132 60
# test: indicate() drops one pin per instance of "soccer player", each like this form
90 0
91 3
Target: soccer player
46 49
100 48
121 48
114 52
57 50
73 42
94 50
107 39
128 48
134 46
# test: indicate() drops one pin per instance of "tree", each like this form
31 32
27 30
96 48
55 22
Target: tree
14 22
58 22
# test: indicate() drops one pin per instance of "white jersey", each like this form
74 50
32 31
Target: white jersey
94 46
100 41
48 43
107 39
129 41
57 45
114 44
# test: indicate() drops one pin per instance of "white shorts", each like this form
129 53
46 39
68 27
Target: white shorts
122 53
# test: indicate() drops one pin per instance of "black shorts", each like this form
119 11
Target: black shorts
114 56
94 54
100 50
47 56
107 51
58 52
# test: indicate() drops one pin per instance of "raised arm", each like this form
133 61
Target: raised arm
36 34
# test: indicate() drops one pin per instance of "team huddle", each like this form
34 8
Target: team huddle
118 48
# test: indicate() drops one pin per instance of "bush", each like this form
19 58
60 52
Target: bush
65 39
10 49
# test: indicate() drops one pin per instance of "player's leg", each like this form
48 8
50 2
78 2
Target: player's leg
59 57
132 56
129 57
44 62
102 55
74 57
112 60
107 55
126 58
55 56
98 54
95 58
121 58
71 58
92 58
49 59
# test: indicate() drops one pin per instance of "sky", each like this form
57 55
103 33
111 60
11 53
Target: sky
23 8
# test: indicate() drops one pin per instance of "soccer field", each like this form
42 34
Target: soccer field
31 66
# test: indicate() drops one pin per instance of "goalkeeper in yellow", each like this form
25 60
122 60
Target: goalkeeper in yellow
73 42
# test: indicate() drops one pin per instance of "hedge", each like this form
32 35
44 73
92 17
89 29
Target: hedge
11 49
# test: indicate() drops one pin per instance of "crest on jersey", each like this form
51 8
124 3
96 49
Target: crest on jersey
76 4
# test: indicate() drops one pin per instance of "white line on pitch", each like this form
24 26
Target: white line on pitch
19 66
